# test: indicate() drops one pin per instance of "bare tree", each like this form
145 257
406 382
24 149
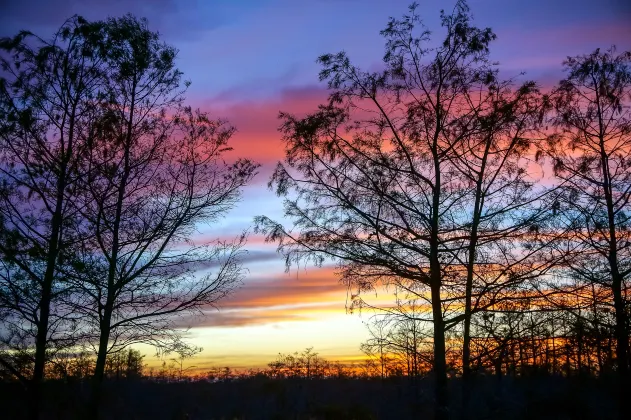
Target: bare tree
400 335
154 171
591 152
105 177
505 202
376 180
183 353
46 105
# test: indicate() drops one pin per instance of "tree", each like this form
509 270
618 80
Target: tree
183 353
46 101
377 181
306 364
105 177
400 335
154 171
591 152
505 203
127 364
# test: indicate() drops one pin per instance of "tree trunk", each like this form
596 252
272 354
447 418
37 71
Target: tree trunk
622 335
99 367
440 363
466 344
40 355
473 245
105 324
622 340
41 340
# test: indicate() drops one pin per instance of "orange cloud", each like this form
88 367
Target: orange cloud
314 285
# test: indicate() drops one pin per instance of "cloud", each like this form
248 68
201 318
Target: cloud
298 296
301 295
257 121
173 18
312 285
263 316
542 59
247 258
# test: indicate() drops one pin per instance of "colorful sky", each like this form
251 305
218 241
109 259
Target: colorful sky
249 59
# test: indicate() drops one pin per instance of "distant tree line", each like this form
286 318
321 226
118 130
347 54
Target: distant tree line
130 365
80 366
105 174
496 212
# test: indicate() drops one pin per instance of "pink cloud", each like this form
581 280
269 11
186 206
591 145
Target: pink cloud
257 122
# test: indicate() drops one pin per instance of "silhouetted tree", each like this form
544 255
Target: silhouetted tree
400 336
506 205
125 364
153 172
69 366
183 353
591 152
384 178
47 93
306 364
105 177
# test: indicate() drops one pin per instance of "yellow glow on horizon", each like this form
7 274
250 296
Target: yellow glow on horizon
332 333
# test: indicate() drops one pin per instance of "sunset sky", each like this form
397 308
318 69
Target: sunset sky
250 59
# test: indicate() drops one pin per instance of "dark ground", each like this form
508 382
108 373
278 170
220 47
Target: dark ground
263 398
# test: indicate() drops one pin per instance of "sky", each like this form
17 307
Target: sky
250 59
